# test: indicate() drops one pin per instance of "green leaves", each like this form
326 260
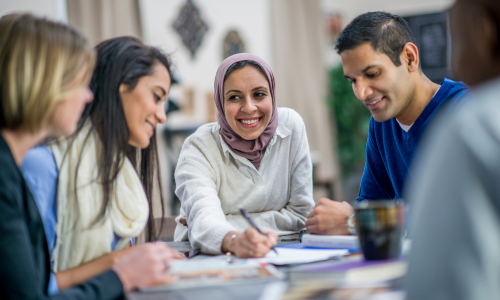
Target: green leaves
352 119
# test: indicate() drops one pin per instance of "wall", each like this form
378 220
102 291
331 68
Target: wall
54 9
350 9
250 18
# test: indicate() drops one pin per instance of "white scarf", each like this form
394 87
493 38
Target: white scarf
78 241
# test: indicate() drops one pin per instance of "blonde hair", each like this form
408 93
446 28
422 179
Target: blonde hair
39 61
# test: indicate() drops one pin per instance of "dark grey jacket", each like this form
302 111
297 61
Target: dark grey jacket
24 256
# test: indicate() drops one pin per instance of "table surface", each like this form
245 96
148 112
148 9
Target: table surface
244 291
186 249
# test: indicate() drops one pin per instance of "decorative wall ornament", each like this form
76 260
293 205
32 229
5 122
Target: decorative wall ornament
190 27
233 44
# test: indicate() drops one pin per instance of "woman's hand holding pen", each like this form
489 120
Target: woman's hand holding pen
249 243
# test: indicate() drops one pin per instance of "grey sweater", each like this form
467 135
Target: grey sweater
455 200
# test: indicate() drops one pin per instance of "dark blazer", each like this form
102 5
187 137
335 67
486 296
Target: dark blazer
24 255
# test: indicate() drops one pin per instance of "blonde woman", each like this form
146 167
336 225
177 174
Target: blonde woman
45 68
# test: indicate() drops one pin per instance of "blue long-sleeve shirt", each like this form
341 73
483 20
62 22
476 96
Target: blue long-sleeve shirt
39 169
390 149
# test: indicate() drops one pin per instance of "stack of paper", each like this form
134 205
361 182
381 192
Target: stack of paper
287 256
209 272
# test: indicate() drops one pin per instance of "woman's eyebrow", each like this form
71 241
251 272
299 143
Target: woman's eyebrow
260 87
162 90
236 91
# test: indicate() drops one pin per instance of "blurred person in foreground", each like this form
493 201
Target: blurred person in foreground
456 225
45 68
380 58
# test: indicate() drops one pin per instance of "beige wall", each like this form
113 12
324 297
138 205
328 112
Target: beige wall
100 20
350 9
54 9
298 43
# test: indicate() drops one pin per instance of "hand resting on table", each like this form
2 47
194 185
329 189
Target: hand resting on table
329 217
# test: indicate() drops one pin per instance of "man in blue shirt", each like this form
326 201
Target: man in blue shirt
380 58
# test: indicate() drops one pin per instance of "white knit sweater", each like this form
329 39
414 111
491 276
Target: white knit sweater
212 181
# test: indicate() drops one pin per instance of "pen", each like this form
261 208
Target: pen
252 223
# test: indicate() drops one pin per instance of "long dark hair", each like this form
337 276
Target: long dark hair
122 60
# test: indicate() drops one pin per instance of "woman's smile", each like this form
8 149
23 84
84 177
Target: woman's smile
250 122
151 127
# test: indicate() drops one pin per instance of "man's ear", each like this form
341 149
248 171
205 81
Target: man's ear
409 57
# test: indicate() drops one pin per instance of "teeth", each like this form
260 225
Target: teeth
374 102
150 126
249 121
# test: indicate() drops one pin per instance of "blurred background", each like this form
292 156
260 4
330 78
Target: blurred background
296 38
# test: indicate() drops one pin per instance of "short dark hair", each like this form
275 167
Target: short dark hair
387 33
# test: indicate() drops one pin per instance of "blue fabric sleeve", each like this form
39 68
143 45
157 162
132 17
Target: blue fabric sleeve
375 183
53 286
39 169
116 238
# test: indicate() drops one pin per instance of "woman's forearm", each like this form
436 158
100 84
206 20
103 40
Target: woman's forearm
77 275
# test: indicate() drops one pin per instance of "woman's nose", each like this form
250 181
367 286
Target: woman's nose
249 106
161 115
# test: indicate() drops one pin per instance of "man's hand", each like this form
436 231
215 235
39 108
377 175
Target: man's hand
145 266
329 217
249 243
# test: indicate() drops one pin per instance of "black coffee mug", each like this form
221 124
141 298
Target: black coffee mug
380 225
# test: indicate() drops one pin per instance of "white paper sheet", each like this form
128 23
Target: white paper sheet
288 256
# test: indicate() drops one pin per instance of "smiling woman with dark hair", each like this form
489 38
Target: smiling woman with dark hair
256 156
87 188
